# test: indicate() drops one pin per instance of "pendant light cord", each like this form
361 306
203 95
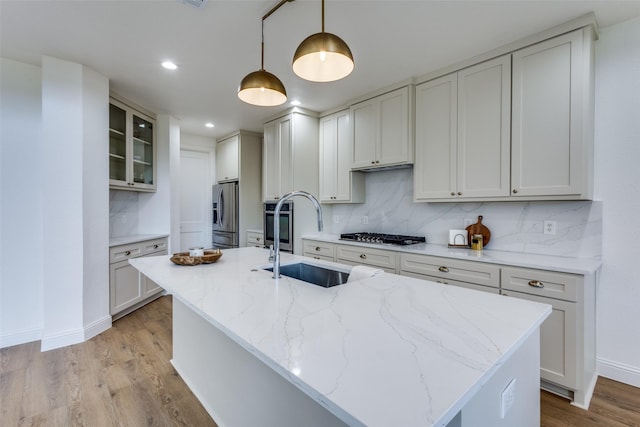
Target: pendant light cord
262 48
323 16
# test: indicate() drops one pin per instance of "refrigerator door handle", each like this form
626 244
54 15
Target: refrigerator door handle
220 207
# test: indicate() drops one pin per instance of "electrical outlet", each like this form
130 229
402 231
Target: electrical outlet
336 219
123 219
365 220
507 398
549 227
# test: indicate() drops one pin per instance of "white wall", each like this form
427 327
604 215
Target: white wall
75 203
54 194
21 162
617 184
159 212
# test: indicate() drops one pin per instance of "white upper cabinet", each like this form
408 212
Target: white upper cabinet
277 152
227 159
132 140
462 134
381 129
552 140
337 183
290 155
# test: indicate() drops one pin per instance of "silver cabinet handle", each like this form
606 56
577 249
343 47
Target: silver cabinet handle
515 191
155 246
536 284
363 256
317 248
127 253
443 269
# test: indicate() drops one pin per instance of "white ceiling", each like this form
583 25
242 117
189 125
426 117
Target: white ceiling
216 46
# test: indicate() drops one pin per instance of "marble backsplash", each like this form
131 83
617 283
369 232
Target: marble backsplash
123 213
514 226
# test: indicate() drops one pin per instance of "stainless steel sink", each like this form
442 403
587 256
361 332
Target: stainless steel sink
315 274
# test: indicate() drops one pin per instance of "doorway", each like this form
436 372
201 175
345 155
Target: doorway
195 198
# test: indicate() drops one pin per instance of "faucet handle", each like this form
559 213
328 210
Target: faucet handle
271 253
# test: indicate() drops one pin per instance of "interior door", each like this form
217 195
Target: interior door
195 199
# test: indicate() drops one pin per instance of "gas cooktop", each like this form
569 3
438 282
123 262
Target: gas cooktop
395 239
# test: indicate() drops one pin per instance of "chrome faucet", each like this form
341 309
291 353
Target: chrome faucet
276 225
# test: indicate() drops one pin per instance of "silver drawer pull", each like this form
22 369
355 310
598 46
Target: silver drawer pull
536 284
317 248
363 256
127 253
155 246
257 239
443 269
444 283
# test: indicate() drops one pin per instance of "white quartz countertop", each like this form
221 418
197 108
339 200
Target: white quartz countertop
384 351
518 259
134 238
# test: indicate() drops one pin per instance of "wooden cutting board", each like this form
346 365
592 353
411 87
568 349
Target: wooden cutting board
478 228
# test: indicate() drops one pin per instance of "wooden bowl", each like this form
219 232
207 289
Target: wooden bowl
183 258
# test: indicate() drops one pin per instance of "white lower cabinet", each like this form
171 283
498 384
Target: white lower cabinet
357 255
255 238
319 250
466 274
567 336
128 289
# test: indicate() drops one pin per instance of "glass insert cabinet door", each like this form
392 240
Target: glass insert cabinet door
142 151
131 148
117 143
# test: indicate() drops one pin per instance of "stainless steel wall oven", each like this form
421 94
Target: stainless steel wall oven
286 225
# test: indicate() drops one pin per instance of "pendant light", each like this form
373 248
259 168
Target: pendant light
323 57
261 87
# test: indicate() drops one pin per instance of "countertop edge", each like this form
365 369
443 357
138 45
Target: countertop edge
135 238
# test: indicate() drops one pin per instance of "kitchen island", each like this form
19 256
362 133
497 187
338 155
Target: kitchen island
386 350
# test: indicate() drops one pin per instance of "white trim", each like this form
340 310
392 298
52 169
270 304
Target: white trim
619 371
75 336
97 327
20 337
62 339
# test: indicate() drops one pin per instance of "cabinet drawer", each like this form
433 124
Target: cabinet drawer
458 283
125 252
354 255
151 246
314 248
320 257
133 250
451 270
542 283
255 239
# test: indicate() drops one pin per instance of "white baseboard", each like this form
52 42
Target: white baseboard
76 336
619 371
97 327
62 339
20 337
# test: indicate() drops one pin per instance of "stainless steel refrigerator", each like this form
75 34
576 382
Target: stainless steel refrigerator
225 215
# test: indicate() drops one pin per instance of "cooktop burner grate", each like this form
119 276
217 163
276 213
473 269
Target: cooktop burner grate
395 239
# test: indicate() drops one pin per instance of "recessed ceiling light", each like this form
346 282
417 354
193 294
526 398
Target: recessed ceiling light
295 102
169 65
209 125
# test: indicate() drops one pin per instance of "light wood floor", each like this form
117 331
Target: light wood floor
123 377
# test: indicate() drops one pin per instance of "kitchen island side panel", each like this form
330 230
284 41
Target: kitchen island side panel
234 386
